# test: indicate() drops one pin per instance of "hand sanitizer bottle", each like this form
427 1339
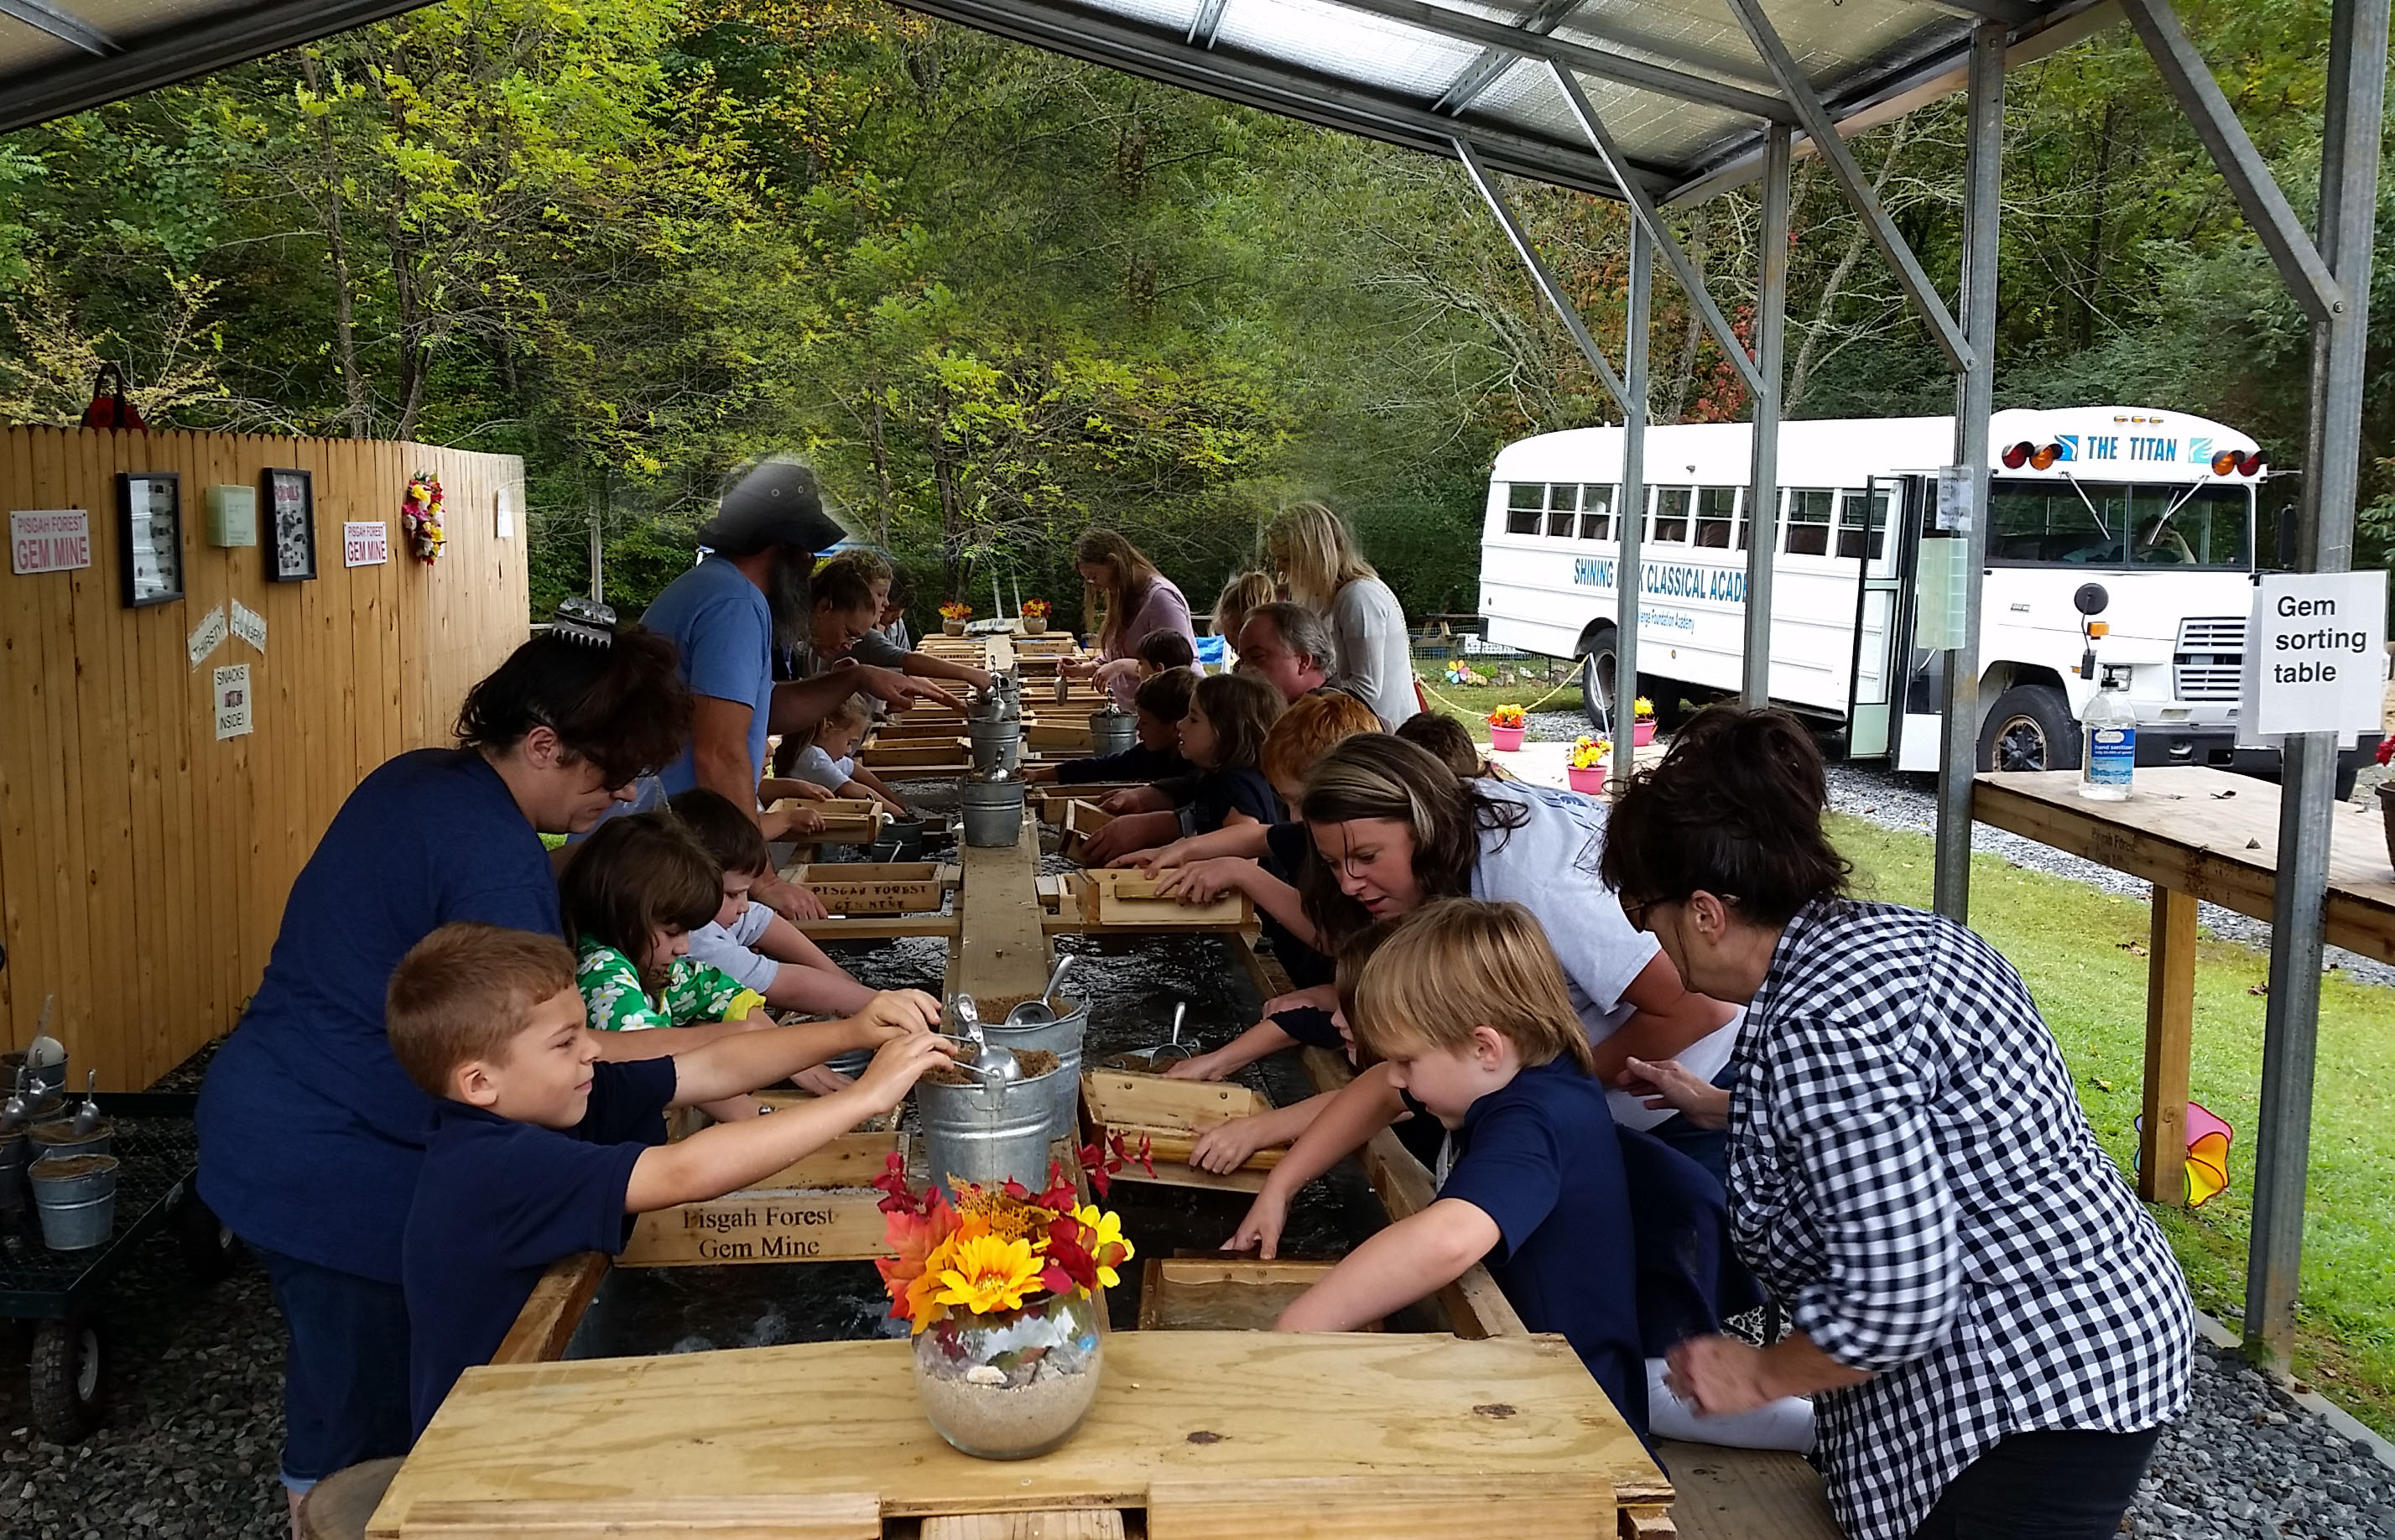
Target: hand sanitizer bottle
2109 755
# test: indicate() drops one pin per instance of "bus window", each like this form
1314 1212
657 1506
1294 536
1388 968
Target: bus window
1563 504
1595 512
1857 519
1524 502
1671 522
1717 511
2213 528
1809 522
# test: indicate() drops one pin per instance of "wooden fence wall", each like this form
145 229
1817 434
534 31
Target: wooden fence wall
144 863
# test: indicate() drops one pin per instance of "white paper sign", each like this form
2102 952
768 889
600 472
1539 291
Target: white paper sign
507 514
232 702
2316 653
249 626
365 545
52 540
206 637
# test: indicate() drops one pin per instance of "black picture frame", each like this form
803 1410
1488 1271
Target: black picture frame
150 536
289 528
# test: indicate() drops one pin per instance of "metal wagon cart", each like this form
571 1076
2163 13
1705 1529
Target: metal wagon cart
157 1198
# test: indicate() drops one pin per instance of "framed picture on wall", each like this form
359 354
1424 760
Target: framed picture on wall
290 499
150 535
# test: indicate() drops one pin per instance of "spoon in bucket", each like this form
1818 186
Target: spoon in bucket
87 1118
1172 1047
1040 1012
994 1062
17 1110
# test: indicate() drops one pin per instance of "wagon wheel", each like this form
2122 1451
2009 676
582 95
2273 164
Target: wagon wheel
65 1379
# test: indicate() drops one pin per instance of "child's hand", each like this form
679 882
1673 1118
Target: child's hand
895 1068
1664 1083
823 1080
1260 1231
805 821
1204 881
895 1013
1226 1146
1319 997
1156 861
1136 799
1038 775
895 809
1201 1066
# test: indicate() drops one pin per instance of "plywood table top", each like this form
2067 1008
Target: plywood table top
2203 832
1213 1432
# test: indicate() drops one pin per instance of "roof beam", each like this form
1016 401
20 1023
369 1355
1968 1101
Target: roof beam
61 25
1675 257
1482 73
1205 23
1818 125
2215 121
1136 49
2012 13
1587 60
1556 297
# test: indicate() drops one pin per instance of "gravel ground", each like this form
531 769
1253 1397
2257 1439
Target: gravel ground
2248 1463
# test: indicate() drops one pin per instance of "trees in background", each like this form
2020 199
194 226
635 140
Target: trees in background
998 296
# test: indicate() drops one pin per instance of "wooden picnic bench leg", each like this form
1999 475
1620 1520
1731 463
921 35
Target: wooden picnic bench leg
2170 1038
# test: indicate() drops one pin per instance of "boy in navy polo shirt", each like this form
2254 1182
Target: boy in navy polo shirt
539 1151
1464 1004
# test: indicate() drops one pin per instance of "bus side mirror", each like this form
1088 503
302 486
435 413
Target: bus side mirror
2091 598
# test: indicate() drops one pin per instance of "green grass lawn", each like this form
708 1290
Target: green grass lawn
2083 953
1471 704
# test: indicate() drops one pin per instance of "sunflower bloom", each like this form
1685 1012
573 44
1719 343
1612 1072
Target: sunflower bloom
987 1273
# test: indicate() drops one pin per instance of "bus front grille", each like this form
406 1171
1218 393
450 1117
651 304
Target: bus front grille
2210 659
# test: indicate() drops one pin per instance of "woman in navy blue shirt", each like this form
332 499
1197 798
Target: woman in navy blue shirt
310 1133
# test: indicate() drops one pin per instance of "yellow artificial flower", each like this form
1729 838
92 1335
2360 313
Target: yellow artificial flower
1642 707
987 1274
1106 1231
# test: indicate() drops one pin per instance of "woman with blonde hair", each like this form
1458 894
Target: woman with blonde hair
1139 600
1312 549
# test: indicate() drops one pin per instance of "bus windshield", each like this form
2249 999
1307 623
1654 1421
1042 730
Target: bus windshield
2071 522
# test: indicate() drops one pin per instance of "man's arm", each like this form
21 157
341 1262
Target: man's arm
718 750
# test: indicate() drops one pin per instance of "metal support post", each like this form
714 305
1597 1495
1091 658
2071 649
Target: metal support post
1495 197
2348 186
1763 480
1975 390
1629 507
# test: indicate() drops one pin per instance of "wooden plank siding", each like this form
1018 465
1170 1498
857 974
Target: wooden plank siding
143 865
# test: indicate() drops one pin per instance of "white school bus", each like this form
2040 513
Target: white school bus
2155 506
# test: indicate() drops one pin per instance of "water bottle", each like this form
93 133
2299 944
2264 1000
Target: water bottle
2110 735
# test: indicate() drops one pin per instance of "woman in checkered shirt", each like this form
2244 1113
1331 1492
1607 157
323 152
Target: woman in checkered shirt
1994 1329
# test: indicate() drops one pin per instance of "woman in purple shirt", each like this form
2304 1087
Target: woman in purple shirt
1139 599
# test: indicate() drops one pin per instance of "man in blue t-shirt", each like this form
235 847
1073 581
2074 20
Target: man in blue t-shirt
725 616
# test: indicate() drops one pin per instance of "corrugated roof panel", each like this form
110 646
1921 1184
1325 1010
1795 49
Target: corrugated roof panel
1651 129
1345 45
26 51
1173 15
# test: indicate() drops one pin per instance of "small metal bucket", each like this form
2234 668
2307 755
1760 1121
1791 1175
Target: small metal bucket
993 810
57 1140
987 1135
42 1080
1112 730
996 746
852 1064
15 1152
77 1201
1062 1037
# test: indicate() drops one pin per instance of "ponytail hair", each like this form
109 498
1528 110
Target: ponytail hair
1733 809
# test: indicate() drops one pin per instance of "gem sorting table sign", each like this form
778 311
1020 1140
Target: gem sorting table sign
2315 653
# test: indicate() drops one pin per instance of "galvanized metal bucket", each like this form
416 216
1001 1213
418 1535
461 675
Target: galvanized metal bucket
993 810
76 1198
43 1079
1062 1037
57 1138
996 746
1112 730
987 1135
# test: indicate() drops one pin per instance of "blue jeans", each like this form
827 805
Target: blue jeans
345 1376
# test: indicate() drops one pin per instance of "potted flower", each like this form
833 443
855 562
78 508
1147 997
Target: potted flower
1589 756
998 1291
953 616
1642 731
1505 726
1035 616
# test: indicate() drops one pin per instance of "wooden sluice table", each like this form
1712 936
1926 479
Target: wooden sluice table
2196 835
1196 1435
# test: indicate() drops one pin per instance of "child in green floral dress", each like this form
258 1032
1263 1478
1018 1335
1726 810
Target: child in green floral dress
632 895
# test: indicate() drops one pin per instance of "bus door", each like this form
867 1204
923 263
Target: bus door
1883 612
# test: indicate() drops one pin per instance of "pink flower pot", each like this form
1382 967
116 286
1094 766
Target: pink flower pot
1505 739
1588 783
1642 734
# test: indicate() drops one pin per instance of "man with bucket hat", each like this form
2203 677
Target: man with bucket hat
726 616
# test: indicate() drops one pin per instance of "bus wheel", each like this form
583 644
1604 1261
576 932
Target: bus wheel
2030 729
1596 682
